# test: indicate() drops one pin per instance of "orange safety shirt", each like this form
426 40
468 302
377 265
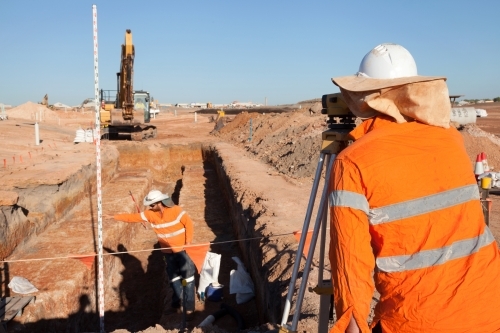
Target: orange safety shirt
173 227
406 215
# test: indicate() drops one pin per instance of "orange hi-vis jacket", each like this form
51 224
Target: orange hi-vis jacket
174 227
406 214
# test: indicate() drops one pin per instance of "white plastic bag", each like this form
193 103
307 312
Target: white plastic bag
21 285
209 271
240 283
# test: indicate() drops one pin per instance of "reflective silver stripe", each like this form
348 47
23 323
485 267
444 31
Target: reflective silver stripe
349 199
143 216
169 224
423 205
172 234
189 279
430 258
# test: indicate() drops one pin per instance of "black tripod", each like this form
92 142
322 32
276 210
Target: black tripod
334 140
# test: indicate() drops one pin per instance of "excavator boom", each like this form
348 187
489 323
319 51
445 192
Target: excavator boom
125 100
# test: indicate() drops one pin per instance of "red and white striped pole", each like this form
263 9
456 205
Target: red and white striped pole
100 277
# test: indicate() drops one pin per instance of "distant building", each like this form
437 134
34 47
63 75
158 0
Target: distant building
244 105
60 105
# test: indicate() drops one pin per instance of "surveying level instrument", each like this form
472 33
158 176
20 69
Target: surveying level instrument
334 140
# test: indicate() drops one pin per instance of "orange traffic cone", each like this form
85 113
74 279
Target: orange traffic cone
479 168
486 167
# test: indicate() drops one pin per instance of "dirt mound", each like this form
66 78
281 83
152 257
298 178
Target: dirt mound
32 111
289 141
476 141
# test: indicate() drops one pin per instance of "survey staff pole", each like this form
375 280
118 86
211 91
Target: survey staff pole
97 139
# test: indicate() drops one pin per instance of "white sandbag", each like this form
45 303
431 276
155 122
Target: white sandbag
209 271
481 113
80 136
240 283
89 135
21 285
463 116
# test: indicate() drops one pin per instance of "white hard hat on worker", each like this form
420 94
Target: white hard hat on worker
387 82
156 196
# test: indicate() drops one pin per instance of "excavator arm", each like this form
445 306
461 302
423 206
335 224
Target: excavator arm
125 98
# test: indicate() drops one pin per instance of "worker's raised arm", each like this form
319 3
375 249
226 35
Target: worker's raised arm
351 255
146 216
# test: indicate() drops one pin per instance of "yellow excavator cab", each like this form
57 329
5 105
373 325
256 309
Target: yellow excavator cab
220 114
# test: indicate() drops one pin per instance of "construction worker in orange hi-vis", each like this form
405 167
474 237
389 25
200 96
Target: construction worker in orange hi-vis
174 229
405 210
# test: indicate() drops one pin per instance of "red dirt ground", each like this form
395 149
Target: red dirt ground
286 144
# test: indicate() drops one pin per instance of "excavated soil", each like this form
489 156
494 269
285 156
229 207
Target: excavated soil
246 186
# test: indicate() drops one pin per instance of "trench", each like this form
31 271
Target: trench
136 291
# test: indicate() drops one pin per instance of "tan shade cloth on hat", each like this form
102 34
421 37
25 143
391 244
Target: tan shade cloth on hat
359 82
425 101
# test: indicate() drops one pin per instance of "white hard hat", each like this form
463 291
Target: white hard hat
386 65
388 61
155 196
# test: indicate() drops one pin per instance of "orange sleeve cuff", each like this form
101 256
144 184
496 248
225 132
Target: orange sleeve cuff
342 322
188 224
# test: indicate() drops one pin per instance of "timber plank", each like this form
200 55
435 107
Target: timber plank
11 306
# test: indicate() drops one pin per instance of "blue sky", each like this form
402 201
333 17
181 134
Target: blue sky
249 51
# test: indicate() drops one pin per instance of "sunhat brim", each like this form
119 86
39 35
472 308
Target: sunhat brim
168 202
359 83
155 200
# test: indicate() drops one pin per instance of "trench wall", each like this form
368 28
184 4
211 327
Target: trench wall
156 165
165 162
37 205
67 294
244 215
245 219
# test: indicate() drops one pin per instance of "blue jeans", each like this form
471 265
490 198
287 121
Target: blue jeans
180 266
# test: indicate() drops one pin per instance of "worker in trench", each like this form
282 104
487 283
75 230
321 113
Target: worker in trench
174 229
405 210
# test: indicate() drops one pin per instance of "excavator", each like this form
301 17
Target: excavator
129 113
45 100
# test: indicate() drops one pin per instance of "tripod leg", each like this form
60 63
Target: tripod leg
305 228
325 285
319 219
330 312
324 312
